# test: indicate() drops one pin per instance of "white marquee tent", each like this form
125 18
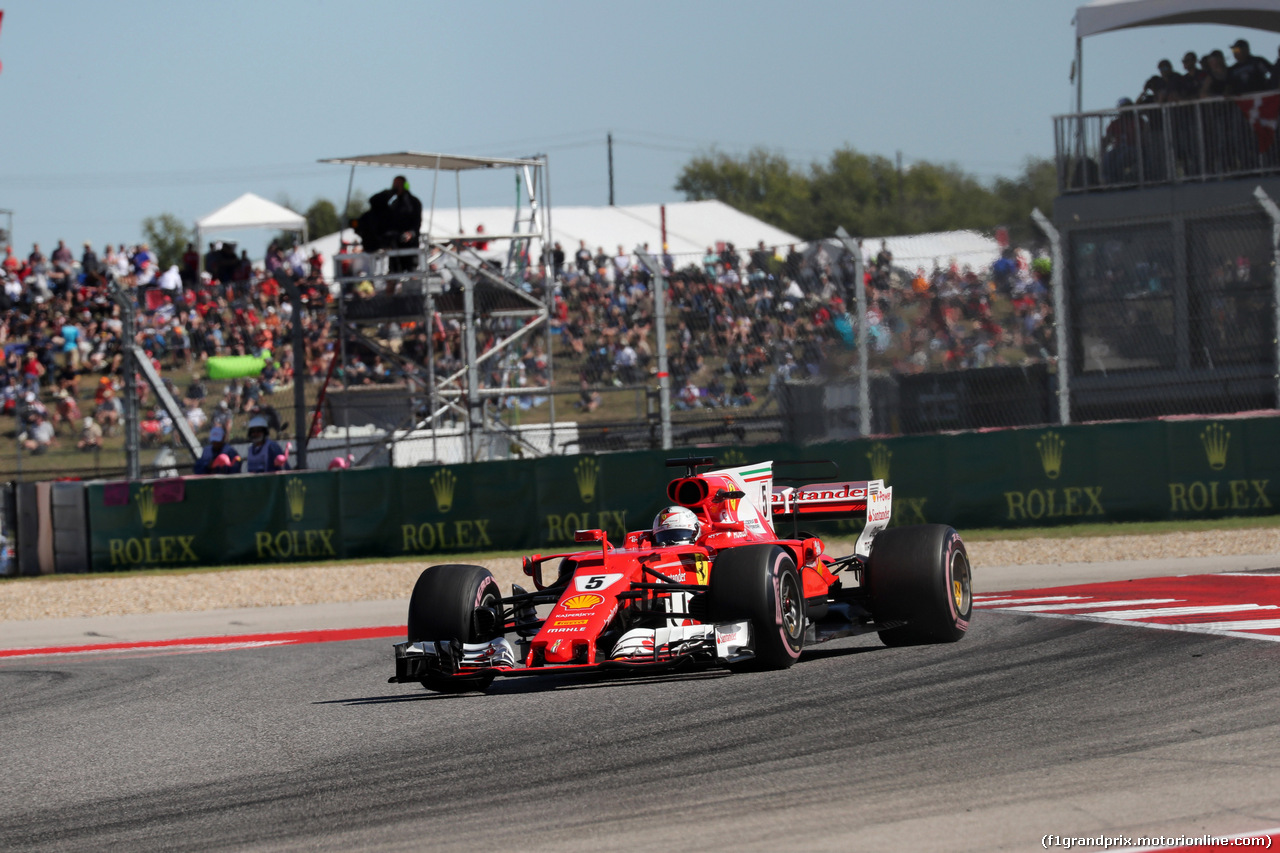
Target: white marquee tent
966 248
249 211
692 226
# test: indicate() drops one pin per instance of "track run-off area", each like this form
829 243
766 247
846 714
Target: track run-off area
1077 712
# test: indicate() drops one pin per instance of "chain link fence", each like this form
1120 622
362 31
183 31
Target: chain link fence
1172 316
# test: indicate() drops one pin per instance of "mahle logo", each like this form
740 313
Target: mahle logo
587 472
442 485
879 456
1215 439
1050 446
297 494
147 508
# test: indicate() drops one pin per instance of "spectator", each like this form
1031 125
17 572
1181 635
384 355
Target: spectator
110 412
39 436
264 456
1249 73
582 258
218 457
588 400
90 436
1120 144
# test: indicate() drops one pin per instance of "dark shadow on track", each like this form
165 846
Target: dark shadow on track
522 685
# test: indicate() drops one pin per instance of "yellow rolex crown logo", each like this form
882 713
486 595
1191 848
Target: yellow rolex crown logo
733 458
442 487
879 457
587 471
1050 449
1215 439
147 508
297 493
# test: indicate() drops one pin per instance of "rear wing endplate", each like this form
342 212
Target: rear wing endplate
835 502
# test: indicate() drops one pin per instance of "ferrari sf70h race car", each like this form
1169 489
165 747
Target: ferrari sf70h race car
713 583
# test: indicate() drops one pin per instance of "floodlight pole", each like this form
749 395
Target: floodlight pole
860 329
128 335
660 326
299 369
1060 315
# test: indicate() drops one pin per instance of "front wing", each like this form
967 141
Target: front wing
717 644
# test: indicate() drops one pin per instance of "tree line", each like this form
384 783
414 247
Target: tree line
869 195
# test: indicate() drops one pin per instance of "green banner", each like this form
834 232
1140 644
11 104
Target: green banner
1006 478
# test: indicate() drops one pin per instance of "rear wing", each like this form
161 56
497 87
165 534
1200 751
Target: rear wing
837 501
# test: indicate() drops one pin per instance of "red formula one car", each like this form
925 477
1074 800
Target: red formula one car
713 583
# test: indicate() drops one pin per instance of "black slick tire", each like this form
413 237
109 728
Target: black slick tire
920 575
442 607
760 584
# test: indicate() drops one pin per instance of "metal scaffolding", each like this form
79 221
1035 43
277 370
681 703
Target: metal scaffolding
445 278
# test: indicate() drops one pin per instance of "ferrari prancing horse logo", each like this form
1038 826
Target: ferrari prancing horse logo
701 568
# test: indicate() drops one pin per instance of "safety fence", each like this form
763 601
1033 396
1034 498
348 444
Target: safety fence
1171 314
1138 471
1152 145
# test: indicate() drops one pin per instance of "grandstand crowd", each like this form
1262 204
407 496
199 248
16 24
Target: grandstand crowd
740 323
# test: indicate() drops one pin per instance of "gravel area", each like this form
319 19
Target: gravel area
102 595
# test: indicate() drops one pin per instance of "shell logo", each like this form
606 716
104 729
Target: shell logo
582 602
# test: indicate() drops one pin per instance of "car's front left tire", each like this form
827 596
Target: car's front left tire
442 607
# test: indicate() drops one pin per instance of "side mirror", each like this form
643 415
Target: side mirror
812 549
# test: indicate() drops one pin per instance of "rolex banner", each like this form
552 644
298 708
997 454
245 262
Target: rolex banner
1007 478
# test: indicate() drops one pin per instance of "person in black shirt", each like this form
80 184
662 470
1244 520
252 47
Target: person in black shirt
1249 73
557 260
583 258
393 221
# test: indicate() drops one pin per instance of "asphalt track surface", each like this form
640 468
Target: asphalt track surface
1029 726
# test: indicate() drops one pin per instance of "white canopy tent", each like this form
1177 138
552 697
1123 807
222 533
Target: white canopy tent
966 248
692 226
1105 16
249 211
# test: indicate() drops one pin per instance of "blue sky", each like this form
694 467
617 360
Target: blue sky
114 111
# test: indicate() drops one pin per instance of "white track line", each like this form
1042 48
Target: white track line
998 601
1148 613
1241 625
1186 627
1076 605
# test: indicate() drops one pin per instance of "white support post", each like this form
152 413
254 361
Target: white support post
1059 314
660 327
860 329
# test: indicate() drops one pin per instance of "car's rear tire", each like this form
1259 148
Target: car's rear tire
920 575
760 584
442 607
